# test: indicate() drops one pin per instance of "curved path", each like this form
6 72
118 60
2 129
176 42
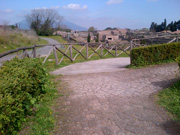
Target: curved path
115 103
95 66
43 51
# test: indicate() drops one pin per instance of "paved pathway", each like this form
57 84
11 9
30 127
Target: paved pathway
96 66
120 102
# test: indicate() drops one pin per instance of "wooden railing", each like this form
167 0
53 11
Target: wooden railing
114 50
71 47
86 56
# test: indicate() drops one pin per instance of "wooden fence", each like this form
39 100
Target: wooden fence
71 47
87 55
118 49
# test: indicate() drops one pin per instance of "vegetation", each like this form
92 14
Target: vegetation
97 38
91 29
173 26
57 38
23 83
89 38
154 54
170 100
42 21
109 28
42 121
14 38
170 97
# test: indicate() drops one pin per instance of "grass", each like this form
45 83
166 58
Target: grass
12 39
170 99
58 38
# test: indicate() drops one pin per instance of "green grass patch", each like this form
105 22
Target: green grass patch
170 99
57 38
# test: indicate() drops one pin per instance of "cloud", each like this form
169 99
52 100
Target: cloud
8 11
53 7
114 2
75 6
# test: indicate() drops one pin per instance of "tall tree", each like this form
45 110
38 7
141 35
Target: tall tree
165 24
153 27
97 38
43 20
89 38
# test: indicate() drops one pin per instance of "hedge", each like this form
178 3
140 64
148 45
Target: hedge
154 54
22 84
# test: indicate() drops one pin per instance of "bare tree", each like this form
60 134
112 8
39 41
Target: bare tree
43 20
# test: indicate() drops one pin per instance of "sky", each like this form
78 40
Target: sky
133 14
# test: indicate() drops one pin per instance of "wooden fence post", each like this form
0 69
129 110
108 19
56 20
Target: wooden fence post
101 50
70 50
24 53
55 55
116 50
87 51
131 47
177 39
34 51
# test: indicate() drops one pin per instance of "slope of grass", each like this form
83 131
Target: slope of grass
12 39
170 100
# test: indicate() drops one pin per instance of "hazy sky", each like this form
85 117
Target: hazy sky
98 13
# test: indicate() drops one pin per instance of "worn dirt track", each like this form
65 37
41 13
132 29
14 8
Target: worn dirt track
117 103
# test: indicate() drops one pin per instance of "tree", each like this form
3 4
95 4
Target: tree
89 38
165 24
91 29
108 28
43 20
97 38
153 27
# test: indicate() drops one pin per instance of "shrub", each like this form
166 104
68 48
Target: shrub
22 84
154 54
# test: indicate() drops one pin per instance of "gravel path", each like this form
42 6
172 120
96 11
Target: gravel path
40 51
117 103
